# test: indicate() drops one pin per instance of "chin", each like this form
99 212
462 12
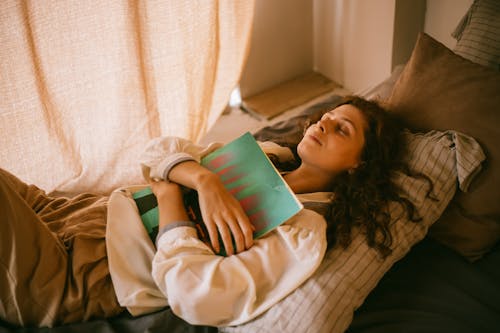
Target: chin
303 150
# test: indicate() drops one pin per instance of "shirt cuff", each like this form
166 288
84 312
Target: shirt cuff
171 226
181 157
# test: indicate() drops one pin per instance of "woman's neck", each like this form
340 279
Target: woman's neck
307 180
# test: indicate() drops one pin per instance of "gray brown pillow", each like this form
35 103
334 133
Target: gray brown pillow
441 90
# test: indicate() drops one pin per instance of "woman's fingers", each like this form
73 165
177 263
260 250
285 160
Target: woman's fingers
213 233
223 215
226 238
238 237
245 230
248 229
233 233
241 229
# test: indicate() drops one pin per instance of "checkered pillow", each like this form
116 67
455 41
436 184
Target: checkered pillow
478 34
327 301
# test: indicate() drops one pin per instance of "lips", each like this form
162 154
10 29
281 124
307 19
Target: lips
315 138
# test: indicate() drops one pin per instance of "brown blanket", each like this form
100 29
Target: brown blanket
53 263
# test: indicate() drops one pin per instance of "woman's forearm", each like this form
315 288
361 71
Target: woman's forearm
171 211
242 287
193 175
170 203
177 160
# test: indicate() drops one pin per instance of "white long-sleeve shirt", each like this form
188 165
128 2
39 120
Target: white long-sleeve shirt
185 274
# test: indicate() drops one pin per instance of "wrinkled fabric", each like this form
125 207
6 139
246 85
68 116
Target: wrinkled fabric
84 85
53 261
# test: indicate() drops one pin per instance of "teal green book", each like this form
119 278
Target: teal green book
249 175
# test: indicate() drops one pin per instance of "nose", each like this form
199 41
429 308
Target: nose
322 125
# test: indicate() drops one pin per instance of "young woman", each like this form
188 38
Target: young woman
67 260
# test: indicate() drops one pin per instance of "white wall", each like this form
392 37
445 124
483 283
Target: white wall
281 45
356 43
409 20
442 17
353 40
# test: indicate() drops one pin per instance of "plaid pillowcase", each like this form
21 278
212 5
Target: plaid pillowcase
478 34
327 301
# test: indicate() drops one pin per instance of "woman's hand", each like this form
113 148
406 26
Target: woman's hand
223 213
220 211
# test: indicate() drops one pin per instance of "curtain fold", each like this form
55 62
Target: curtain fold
85 84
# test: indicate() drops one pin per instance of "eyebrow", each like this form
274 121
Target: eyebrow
346 120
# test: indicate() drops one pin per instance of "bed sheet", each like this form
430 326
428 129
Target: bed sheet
158 322
433 289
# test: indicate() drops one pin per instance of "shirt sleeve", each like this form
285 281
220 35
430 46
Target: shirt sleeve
163 153
207 289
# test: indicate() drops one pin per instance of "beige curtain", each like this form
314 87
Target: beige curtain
85 84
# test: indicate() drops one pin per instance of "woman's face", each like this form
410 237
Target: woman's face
334 144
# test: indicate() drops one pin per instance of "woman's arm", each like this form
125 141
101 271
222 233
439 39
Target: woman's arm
221 212
170 203
205 289
177 160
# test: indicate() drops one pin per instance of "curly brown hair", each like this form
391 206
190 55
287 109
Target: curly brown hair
361 198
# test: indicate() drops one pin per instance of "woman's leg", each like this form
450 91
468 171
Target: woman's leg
89 290
33 262
53 260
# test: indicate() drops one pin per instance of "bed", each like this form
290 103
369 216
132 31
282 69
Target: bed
444 273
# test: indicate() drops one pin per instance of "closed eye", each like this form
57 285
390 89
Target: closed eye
343 129
343 124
